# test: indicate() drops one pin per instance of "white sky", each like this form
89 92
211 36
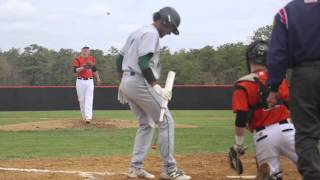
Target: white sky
72 24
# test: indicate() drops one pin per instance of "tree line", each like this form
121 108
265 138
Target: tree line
37 65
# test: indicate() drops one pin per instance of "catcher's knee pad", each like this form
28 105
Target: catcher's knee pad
276 176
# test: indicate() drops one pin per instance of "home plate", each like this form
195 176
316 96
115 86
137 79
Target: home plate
241 177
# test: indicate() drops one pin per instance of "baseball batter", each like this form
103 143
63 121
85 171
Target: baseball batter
273 133
85 68
139 65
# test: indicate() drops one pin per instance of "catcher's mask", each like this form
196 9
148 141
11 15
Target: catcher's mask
257 53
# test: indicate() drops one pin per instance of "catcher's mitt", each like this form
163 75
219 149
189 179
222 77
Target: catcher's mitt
235 162
89 65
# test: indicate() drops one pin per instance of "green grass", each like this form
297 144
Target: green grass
215 134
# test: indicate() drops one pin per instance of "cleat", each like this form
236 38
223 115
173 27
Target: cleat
174 175
139 173
264 172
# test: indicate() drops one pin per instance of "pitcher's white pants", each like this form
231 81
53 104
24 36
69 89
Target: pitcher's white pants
273 141
85 89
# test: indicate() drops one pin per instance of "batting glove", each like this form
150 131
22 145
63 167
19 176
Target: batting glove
121 97
165 94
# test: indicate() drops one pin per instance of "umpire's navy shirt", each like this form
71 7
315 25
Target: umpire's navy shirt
295 38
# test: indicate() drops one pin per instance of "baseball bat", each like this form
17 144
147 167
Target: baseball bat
164 104
169 85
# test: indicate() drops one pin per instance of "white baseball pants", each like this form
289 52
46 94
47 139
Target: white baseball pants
85 90
145 104
273 141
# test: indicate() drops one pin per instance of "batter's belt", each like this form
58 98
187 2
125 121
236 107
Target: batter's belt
131 73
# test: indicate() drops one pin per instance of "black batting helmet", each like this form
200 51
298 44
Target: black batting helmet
168 16
257 53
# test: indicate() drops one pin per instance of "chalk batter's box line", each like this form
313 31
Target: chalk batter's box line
89 175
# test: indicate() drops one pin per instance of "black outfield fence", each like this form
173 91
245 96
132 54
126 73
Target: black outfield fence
40 98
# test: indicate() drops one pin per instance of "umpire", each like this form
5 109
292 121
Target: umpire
295 43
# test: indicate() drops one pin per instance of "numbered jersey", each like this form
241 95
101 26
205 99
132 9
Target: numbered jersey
140 43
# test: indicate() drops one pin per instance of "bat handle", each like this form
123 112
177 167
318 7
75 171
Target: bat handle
154 146
161 114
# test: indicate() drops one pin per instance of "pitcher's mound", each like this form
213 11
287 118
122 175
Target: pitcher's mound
76 124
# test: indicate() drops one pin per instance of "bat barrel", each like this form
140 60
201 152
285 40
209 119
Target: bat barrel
170 80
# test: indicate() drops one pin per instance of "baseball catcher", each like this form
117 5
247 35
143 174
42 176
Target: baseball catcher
272 130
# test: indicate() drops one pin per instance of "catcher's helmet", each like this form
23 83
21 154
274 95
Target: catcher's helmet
169 16
257 53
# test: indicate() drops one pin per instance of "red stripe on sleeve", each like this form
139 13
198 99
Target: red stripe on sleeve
284 18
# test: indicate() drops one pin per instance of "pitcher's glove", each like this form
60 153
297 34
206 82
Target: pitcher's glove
234 157
88 65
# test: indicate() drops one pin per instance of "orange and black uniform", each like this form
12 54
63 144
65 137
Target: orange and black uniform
86 73
85 85
246 98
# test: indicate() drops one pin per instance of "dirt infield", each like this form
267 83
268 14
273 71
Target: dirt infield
199 166
76 124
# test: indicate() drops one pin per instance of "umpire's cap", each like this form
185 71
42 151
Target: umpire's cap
169 16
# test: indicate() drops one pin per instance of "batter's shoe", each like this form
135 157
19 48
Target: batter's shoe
264 172
139 173
174 175
88 121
